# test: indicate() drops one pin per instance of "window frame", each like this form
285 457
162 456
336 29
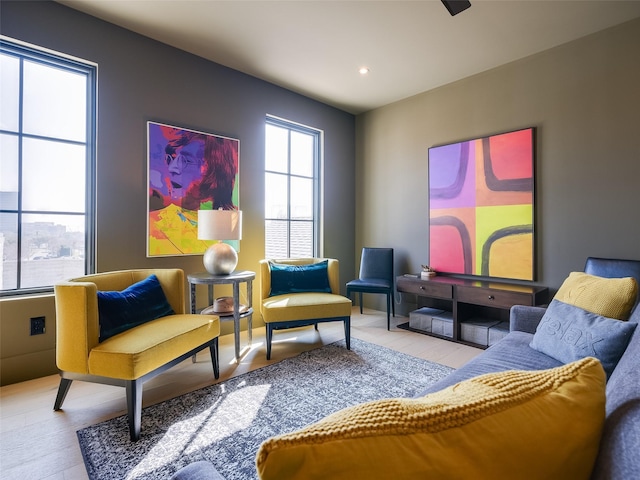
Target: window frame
43 56
318 140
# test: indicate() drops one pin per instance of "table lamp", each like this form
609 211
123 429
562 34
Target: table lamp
220 258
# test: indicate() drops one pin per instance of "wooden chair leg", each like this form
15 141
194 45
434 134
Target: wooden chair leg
213 348
134 408
63 389
360 301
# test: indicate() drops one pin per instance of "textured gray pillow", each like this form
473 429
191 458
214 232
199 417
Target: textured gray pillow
568 333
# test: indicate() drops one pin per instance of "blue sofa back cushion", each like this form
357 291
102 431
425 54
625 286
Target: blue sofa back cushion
313 277
568 333
137 304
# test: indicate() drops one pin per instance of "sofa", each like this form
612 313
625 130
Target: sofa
620 443
616 455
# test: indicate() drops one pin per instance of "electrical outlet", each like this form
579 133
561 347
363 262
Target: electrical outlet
37 325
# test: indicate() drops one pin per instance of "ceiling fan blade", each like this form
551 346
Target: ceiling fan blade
456 6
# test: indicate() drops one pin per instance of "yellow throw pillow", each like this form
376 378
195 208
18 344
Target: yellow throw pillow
541 424
609 297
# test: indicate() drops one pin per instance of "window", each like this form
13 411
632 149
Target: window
292 166
47 162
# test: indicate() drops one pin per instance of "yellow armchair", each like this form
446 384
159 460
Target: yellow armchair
294 306
133 356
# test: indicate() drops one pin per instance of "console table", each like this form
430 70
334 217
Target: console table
235 279
467 299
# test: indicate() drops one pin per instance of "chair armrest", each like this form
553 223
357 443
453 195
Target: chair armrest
77 326
265 280
333 271
524 318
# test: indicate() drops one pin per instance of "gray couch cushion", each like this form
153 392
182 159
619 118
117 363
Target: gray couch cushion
510 353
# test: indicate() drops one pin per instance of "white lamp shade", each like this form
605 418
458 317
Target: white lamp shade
219 225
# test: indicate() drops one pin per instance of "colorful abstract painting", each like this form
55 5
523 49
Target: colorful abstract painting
188 171
481 206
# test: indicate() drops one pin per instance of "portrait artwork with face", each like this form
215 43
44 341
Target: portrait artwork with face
188 171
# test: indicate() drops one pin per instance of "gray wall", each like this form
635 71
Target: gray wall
584 100
140 80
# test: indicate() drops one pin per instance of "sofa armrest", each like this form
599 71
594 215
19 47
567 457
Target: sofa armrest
524 318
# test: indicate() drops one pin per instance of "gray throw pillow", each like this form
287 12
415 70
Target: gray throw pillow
568 333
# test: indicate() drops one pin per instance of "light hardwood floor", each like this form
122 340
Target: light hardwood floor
38 443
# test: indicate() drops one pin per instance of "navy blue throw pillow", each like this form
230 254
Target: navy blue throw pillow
313 277
137 304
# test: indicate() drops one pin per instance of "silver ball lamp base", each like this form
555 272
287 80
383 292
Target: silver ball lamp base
220 259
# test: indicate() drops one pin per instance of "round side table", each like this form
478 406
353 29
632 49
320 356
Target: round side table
234 278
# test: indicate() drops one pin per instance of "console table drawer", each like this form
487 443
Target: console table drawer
426 288
491 297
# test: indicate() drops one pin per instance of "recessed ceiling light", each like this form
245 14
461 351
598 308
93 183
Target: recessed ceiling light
363 70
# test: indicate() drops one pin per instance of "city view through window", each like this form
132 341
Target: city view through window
46 131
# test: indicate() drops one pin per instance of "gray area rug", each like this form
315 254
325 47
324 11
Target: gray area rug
226 423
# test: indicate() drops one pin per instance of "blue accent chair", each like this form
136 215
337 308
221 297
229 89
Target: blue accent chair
376 276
